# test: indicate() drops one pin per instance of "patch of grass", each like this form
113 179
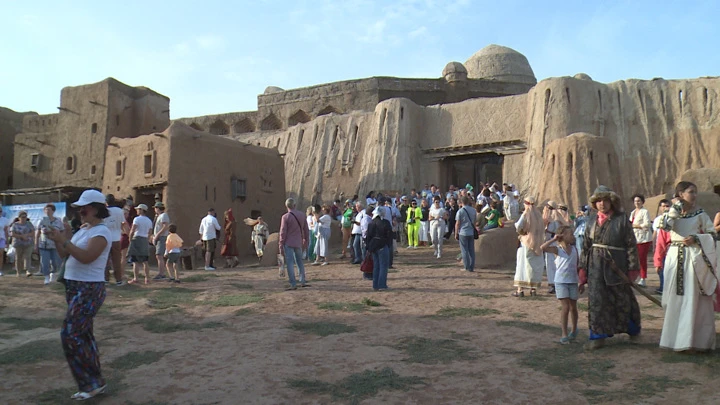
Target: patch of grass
644 387
536 298
130 292
564 361
460 336
158 324
172 297
244 311
479 295
343 306
359 386
529 326
242 286
453 312
198 278
519 315
236 300
29 323
33 352
371 303
134 360
710 360
322 328
582 306
433 351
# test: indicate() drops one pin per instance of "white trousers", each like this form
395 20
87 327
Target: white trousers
437 231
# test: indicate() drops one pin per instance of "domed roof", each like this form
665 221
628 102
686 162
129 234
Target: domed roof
273 89
454 67
582 76
495 62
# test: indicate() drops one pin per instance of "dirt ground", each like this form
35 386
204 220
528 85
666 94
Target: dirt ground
440 335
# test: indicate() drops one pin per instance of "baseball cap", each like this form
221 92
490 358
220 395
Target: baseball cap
159 204
142 207
89 197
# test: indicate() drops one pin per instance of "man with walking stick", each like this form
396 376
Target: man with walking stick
609 261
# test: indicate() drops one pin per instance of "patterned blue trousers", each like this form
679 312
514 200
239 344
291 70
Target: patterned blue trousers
84 300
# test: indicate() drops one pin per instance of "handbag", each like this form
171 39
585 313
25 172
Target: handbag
367 264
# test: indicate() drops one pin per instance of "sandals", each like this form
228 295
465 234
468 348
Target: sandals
564 340
81 396
572 335
518 294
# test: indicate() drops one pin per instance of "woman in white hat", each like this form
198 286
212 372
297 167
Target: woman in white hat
530 262
87 255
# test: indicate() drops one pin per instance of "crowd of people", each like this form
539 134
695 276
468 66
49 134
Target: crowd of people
602 248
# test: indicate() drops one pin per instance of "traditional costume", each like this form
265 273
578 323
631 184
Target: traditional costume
690 280
609 240
530 262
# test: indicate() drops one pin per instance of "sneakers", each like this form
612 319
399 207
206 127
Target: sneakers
208 268
324 263
47 280
52 277
564 341
163 277
641 283
316 263
120 283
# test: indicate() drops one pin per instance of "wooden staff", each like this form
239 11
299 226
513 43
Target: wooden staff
627 280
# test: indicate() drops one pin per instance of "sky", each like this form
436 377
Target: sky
213 57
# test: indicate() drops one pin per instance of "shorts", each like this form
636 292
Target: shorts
160 246
138 259
124 242
173 257
209 245
566 290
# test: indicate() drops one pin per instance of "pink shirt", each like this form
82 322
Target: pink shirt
293 233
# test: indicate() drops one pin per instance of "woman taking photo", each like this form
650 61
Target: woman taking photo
642 227
87 254
22 231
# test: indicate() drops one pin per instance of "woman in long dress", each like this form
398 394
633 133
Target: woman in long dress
260 235
690 280
322 248
229 247
530 261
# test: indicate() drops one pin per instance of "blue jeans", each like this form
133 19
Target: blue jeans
48 256
357 248
467 249
293 256
380 268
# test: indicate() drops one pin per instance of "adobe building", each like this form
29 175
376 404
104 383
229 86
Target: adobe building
58 155
10 125
194 171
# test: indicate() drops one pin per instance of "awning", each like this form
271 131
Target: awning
44 190
151 185
501 148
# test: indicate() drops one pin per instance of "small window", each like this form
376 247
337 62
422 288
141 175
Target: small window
117 120
118 168
93 128
35 160
238 189
93 170
148 164
70 164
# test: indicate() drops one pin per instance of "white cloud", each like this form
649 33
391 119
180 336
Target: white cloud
420 31
374 33
210 42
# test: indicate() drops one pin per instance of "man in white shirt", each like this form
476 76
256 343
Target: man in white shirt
160 233
209 228
115 223
357 233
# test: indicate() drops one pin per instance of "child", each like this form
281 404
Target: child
566 278
173 244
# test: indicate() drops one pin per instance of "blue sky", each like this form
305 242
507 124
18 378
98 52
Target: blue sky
216 56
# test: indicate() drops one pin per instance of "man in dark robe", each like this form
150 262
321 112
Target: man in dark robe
609 238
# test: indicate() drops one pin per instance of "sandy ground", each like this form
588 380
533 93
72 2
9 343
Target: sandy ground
508 353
